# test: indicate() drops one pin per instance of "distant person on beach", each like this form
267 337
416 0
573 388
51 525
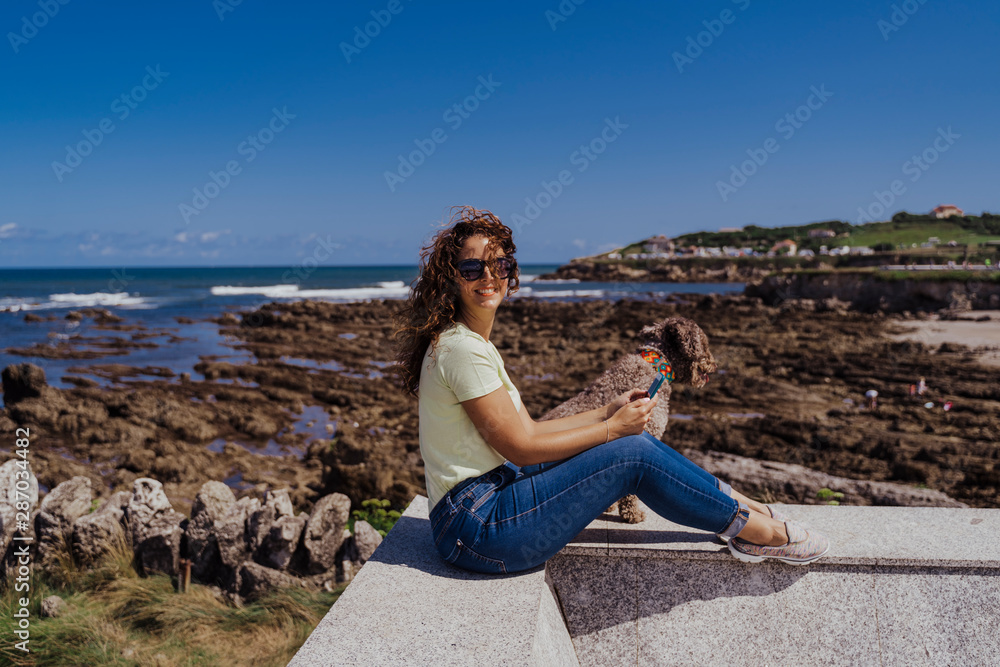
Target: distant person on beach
871 399
921 387
506 492
913 390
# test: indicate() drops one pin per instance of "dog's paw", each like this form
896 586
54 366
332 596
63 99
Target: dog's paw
629 510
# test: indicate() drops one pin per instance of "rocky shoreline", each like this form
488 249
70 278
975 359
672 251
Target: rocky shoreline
659 271
792 377
873 293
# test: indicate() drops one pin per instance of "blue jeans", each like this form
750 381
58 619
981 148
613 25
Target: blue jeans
511 519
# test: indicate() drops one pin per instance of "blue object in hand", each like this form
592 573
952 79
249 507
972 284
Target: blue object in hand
653 388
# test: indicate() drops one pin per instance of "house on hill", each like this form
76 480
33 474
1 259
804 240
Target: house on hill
787 246
822 233
659 244
946 211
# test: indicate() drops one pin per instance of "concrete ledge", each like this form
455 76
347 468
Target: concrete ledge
900 586
408 607
890 536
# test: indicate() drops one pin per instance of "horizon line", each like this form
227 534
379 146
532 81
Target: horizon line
236 266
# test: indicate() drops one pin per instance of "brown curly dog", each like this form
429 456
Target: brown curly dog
681 342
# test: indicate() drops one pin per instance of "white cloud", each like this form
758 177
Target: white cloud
580 243
7 230
211 236
179 246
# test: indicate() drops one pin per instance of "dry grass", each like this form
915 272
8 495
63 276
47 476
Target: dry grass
116 617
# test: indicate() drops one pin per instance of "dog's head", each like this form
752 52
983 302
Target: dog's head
685 346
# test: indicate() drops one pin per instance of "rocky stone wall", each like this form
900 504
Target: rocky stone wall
244 547
868 293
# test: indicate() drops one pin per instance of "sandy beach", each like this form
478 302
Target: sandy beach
978 330
790 385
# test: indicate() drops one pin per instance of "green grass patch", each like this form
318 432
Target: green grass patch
909 233
116 617
939 276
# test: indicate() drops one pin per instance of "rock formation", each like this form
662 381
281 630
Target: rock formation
243 546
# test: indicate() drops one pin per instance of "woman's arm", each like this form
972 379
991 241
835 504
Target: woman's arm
497 420
595 416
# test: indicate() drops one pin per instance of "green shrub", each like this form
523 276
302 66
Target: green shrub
376 513
829 497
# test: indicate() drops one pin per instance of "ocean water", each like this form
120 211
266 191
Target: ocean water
155 297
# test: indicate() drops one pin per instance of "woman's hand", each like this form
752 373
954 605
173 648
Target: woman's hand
631 418
623 400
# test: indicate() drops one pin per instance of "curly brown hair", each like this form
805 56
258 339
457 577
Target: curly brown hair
432 305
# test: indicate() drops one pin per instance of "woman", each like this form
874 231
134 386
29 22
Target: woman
508 492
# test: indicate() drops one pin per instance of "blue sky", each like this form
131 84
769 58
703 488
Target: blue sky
258 133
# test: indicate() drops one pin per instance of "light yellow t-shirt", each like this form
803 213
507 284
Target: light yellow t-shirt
462 366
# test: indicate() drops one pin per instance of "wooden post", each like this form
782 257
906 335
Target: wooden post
184 577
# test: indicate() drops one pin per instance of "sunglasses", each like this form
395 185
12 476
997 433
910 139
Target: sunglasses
472 269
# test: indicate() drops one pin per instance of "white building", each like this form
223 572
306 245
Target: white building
946 211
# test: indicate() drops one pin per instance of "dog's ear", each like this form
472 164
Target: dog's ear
686 347
652 334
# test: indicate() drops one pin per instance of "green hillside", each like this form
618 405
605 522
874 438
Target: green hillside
761 238
904 228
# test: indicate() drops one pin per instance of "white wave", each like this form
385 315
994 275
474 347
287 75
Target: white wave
71 300
528 277
357 293
557 281
97 299
17 305
273 291
527 291
393 289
